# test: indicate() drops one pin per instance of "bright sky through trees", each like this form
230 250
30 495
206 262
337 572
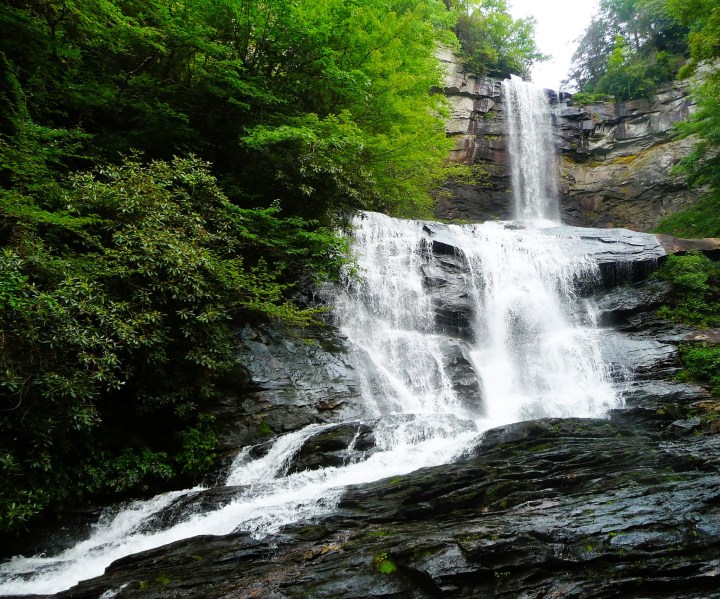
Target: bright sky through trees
559 23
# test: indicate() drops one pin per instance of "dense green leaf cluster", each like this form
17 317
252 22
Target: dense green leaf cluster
492 42
322 104
702 364
629 48
117 294
697 289
121 279
696 301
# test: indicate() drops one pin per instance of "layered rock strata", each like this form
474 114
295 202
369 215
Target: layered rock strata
616 160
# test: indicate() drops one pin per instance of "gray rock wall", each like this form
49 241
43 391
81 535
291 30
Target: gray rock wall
615 164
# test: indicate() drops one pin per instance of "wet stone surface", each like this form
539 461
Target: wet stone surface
624 507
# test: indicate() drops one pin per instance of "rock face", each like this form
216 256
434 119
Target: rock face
615 159
622 255
626 507
287 381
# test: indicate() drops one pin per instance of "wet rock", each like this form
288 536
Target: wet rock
572 508
465 379
338 445
617 159
674 245
623 256
286 382
710 336
616 305
627 506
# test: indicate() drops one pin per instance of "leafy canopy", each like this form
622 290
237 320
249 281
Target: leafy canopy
703 164
117 296
629 48
344 83
492 42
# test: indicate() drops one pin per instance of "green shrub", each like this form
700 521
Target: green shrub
118 296
702 364
697 290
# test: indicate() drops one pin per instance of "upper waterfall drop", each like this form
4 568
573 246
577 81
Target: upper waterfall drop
531 150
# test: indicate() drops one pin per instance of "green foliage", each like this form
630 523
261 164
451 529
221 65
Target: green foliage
629 48
131 470
384 564
585 98
697 283
702 219
702 364
116 310
494 43
703 165
197 446
703 19
324 106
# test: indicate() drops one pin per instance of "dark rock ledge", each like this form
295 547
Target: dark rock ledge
626 507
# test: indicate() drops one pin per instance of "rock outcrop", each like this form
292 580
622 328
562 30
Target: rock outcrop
289 379
615 164
626 507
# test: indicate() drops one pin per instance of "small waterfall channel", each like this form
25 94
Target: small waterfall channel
453 329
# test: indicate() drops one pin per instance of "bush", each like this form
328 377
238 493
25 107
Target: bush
702 364
118 295
697 288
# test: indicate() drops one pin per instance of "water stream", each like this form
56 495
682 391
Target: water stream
533 351
529 128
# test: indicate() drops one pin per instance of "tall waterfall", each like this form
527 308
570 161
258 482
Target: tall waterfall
531 150
453 329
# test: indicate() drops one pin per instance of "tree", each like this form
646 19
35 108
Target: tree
117 297
703 165
213 77
494 43
123 279
629 48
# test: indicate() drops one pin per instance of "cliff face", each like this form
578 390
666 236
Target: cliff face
615 159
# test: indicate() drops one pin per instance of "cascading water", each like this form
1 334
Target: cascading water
531 150
530 350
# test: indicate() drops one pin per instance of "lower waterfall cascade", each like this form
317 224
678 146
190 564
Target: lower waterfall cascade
529 339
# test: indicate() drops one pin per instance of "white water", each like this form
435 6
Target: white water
535 354
531 150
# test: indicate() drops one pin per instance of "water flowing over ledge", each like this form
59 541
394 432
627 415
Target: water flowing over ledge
453 329
532 152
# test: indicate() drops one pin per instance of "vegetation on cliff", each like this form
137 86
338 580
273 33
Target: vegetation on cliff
492 42
629 48
123 266
703 165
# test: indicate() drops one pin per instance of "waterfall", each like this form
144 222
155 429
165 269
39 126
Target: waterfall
533 347
531 150
452 329
529 350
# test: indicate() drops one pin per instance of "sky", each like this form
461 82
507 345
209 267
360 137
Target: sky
558 23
